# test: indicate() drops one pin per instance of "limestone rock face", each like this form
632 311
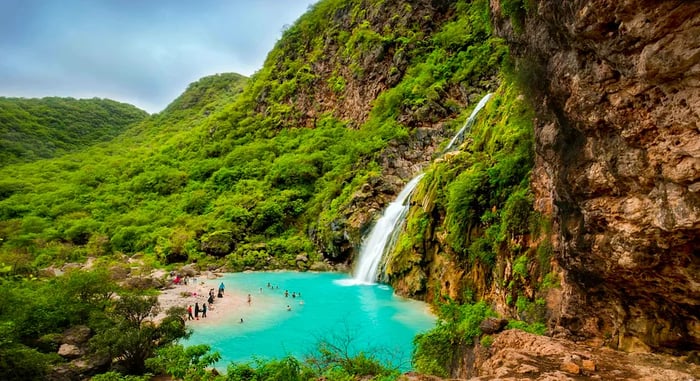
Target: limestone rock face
617 88
515 355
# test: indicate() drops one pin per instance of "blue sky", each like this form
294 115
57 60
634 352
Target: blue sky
144 52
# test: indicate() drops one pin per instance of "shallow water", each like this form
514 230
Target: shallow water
370 317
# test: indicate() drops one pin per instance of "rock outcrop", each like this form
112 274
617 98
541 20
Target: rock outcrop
517 355
617 90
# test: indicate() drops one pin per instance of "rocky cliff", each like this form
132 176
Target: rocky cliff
614 178
617 91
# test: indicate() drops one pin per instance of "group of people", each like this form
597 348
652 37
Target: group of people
193 313
197 310
286 292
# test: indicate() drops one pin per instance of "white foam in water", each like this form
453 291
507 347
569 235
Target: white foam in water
346 282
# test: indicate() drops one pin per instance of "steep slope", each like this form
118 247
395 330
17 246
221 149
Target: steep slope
588 222
618 161
33 129
269 177
99 200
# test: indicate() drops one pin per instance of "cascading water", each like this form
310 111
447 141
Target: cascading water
469 122
380 237
375 244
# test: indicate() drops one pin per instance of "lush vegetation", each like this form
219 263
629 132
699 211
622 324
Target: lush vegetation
34 313
251 173
33 129
483 192
223 173
478 201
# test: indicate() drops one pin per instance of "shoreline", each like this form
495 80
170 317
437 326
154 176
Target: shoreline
227 309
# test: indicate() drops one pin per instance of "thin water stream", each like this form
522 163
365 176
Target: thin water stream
382 237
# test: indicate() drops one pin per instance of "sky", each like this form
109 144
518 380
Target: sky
143 52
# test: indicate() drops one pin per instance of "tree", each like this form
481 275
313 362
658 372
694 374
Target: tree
182 363
134 336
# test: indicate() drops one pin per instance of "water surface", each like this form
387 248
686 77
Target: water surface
367 318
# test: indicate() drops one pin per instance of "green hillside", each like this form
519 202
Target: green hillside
33 129
223 175
275 171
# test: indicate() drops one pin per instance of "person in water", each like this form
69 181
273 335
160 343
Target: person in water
249 299
289 308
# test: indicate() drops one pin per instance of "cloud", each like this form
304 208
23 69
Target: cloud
141 52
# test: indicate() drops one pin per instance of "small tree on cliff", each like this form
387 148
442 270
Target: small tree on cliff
132 335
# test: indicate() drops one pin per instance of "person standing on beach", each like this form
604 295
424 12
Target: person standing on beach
189 313
196 311
221 288
204 310
249 299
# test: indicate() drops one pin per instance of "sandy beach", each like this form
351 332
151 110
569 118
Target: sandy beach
230 308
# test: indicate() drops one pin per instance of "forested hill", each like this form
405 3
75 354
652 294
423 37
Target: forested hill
32 129
261 178
562 209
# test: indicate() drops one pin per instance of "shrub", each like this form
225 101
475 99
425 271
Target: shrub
458 325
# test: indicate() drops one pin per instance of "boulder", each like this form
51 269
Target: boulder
570 367
492 325
69 351
588 365
141 283
71 266
76 335
302 258
188 270
320 266
118 272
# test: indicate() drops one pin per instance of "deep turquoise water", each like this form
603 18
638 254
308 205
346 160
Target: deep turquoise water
367 318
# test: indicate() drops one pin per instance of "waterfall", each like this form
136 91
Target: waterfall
376 244
470 121
382 236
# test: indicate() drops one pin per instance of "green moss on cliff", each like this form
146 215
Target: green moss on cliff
480 196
